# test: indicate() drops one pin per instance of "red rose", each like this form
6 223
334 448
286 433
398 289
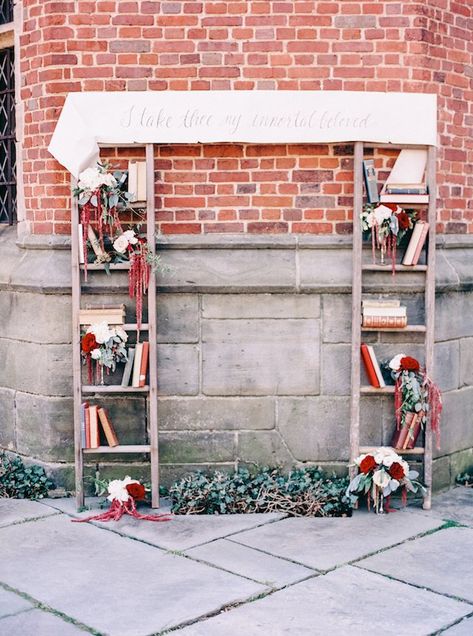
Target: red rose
367 464
409 364
137 491
403 220
396 471
391 206
89 343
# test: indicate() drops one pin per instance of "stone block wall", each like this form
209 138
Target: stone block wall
253 355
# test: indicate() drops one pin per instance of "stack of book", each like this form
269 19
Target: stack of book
111 314
136 366
406 436
372 368
406 181
381 314
90 418
414 248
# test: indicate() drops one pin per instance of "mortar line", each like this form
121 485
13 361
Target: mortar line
22 521
50 610
444 629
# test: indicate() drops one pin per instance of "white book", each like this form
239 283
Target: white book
137 365
133 180
80 238
384 311
141 190
137 180
381 303
417 232
376 366
409 168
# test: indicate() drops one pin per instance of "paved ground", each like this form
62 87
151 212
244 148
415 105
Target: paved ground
406 573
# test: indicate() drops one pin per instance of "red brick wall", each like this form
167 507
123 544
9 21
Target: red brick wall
272 45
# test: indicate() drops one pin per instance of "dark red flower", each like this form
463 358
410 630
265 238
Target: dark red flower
392 206
137 491
403 220
396 471
89 343
409 364
367 464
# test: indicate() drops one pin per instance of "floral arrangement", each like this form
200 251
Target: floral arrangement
123 495
415 392
101 198
381 473
387 223
104 345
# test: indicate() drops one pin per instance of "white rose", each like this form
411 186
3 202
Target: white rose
359 459
95 353
117 490
370 219
382 213
101 332
89 179
131 237
120 244
381 479
108 180
395 363
121 333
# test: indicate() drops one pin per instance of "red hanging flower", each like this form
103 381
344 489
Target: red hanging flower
88 343
137 491
409 364
367 464
396 471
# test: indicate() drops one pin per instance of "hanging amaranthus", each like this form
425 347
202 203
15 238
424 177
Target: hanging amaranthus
415 392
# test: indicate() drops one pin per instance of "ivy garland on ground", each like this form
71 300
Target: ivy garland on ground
20 481
301 492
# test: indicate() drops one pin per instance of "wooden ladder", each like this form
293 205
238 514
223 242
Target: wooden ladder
359 266
93 392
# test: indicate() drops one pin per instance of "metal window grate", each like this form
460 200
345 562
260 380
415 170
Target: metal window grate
6 11
7 138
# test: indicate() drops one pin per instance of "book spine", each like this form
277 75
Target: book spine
399 437
80 239
385 321
87 427
94 428
83 438
144 364
370 371
376 367
414 430
394 190
381 311
107 427
137 365
420 244
371 184
128 366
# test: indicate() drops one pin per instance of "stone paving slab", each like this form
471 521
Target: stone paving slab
441 562
456 504
11 603
102 579
17 510
463 628
38 623
182 532
265 569
325 543
345 601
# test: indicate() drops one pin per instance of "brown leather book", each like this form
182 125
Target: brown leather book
385 321
414 431
108 429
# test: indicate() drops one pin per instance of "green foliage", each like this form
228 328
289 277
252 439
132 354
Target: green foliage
465 479
20 481
301 492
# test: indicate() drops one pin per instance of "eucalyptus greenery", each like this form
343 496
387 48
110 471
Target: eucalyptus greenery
301 492
20 481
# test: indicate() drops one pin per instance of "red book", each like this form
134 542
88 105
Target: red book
370 370
94 427
144 364
414 430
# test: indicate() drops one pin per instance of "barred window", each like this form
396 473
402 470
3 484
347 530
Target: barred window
6 11
7 137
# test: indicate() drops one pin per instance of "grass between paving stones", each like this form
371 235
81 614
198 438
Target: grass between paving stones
46 608
299 492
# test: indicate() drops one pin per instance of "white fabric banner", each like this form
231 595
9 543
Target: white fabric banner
89 119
